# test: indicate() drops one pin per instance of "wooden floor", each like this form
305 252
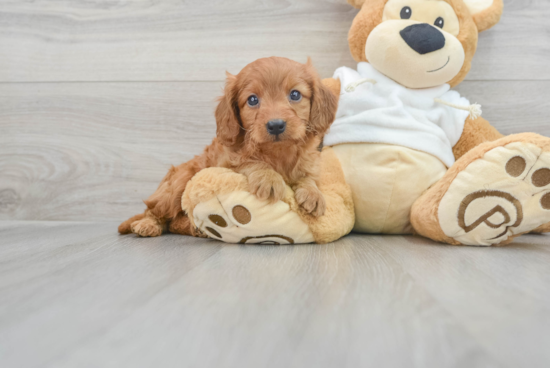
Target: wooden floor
79 295
99 97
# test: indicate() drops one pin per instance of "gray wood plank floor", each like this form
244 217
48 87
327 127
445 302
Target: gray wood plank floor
79 295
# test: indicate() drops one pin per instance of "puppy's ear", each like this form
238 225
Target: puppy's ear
360 3
323 103
356 3
228 126
486 14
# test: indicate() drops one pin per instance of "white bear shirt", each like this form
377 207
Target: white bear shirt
387 112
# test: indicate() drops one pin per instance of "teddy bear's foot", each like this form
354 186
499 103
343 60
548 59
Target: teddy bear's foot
220 204
494 193
240 217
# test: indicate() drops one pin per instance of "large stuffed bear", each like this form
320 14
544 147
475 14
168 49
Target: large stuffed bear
416 155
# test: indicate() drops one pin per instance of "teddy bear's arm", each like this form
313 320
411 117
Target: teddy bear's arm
333 85
475 132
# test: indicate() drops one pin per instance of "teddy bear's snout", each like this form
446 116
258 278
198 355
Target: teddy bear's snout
423 38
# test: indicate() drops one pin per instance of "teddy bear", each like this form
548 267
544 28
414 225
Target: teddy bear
413 155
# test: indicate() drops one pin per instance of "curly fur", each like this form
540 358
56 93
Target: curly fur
243 144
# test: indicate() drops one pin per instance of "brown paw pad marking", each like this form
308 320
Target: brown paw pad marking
541 177
270 239
516 166
241 214
218 220
545 201
213 232
497 209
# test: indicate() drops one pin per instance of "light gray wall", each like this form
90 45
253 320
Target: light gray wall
99 98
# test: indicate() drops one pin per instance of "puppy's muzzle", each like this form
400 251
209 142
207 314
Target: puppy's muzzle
276 126
423 38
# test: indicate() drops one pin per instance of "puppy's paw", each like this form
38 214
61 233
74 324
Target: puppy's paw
311 199
147 227
267 185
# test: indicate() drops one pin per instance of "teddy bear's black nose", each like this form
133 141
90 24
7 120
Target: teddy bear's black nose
423 38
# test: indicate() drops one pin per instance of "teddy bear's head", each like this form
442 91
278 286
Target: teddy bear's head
421 43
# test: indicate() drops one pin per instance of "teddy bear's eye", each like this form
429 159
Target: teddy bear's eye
406 13
439 22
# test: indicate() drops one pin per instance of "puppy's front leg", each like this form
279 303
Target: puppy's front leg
149 225
309 197
263 181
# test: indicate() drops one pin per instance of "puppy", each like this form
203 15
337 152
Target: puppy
270 124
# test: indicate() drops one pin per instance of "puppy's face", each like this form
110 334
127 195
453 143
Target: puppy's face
275 100
275 103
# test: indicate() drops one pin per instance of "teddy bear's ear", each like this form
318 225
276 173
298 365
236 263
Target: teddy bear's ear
486 13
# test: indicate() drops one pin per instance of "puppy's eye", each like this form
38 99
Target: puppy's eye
406 13
253 101
439 22
295 96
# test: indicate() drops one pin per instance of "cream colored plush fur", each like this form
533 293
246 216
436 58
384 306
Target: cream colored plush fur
397 176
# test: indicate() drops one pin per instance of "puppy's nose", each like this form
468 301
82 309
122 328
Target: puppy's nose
276 126
423 38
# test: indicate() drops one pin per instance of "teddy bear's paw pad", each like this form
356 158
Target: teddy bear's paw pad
502 194
240 217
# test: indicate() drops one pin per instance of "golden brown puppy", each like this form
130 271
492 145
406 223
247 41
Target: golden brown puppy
270 123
